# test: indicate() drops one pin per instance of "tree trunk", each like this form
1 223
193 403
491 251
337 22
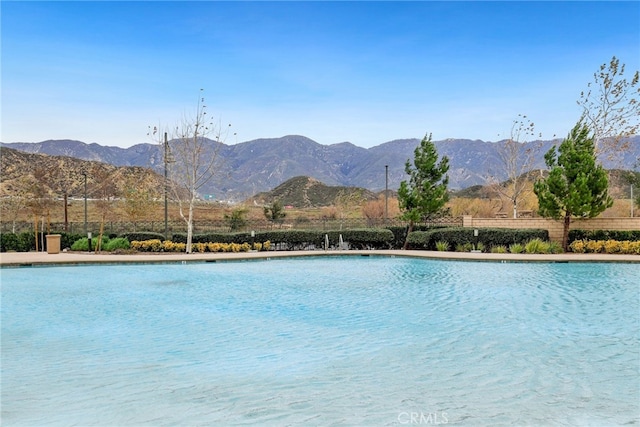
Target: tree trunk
190 228
565 232
99 242
35 227
406 240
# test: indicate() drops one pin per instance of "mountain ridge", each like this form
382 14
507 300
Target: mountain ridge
259 165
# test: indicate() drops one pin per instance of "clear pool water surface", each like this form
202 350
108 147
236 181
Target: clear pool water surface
322 341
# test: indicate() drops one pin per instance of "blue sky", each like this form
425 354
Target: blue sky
363 72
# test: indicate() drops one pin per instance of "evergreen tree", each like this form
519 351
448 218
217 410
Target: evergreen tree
576 186
426 191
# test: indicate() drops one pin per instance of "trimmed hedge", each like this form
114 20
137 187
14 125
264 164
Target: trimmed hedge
489 237
399 236
400 233
375 238
619 235
141 236
26 241
366 238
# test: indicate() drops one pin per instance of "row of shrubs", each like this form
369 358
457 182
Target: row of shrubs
108 244
605 247
534 246
459 237
26 241
156 245
373 238
620 235
455 238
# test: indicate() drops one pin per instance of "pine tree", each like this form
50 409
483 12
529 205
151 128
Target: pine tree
426 191
576 186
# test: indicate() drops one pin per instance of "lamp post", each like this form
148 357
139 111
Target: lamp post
166 203
386 193
85 203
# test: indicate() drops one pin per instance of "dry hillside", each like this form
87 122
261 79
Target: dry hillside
39 175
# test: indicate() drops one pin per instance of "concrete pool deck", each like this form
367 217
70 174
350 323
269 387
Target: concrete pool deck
26 259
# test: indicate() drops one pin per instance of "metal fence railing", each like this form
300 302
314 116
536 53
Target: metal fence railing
221 226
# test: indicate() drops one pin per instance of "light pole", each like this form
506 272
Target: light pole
86 229
166 203
386 193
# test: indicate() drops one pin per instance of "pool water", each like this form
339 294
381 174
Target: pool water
322 341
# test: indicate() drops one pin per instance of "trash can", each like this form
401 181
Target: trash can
53 243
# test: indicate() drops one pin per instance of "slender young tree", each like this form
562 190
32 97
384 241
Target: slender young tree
138 198
106 191
426 191
517 158
193 161
611 108
576 186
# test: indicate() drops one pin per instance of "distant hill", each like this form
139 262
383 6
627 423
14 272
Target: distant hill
619 185
306 192
256 166
55 175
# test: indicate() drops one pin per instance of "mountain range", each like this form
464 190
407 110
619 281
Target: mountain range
251 167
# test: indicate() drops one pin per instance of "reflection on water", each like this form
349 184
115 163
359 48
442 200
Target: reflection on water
343 341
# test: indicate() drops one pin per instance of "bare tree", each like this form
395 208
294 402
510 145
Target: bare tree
517 158
62 182
106 191
138 197
14 200
40 201
193 160
611 107
376 210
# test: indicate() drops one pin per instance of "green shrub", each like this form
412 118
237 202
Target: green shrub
26 241
21 242
117 243
9 242
82 244
464 247
461 235
399 236
620 235
68 239
537 246
500 249
555 248
442 246
480 247
421 240
140 236
365 238
516 248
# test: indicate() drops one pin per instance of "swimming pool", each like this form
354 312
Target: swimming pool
322 341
